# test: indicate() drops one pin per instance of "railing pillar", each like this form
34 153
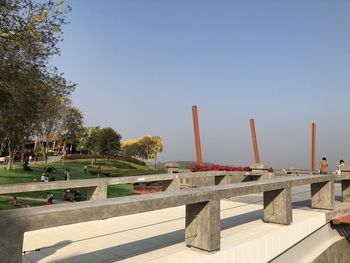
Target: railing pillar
203 225
322 195
222 179
11 242
278 206
98 192
170 185
345 188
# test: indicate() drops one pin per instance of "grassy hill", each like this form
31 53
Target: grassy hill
76 167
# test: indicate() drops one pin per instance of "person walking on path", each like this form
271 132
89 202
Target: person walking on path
98 171
324 166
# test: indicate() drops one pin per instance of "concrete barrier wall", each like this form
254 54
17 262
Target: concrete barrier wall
202 209
97 187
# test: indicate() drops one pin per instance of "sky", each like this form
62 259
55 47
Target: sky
140 66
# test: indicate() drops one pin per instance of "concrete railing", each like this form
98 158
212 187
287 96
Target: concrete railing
344 179
202 226
97 188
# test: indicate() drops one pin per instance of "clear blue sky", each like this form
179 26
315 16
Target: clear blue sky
141 65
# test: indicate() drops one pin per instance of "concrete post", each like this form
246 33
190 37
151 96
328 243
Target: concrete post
322 195
345 188
170 185
259 169
278 206
222 179
203 225
11 242
98 192
172 168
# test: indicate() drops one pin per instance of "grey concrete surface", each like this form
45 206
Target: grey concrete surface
322 195
203 225
99 192
309 248
171 185
339 252
278 206
345 185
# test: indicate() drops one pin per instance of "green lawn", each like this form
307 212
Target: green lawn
76 167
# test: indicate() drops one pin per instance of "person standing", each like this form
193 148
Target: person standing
98 171
68 175
324 166
339 167
65 174
85 169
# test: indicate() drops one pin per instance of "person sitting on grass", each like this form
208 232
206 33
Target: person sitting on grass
66 195
77 195
49 198
53 178
44 177
51 169
15 202
50 201
26 167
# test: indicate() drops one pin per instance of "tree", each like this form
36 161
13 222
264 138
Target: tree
71 126
147 147
83 135
29 33
90 142
130 148
150 147
51 122
109 142
30 30
27 103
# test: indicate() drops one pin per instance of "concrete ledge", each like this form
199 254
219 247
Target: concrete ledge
40 186
203 200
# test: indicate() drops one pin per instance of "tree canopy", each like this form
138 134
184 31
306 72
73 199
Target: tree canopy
147 147
109 142
31 89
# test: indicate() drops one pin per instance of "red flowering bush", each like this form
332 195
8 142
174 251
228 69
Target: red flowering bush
197 168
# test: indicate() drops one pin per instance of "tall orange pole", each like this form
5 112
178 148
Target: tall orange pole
196 136
313 147
255 143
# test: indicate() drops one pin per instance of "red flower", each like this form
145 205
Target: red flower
196 168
